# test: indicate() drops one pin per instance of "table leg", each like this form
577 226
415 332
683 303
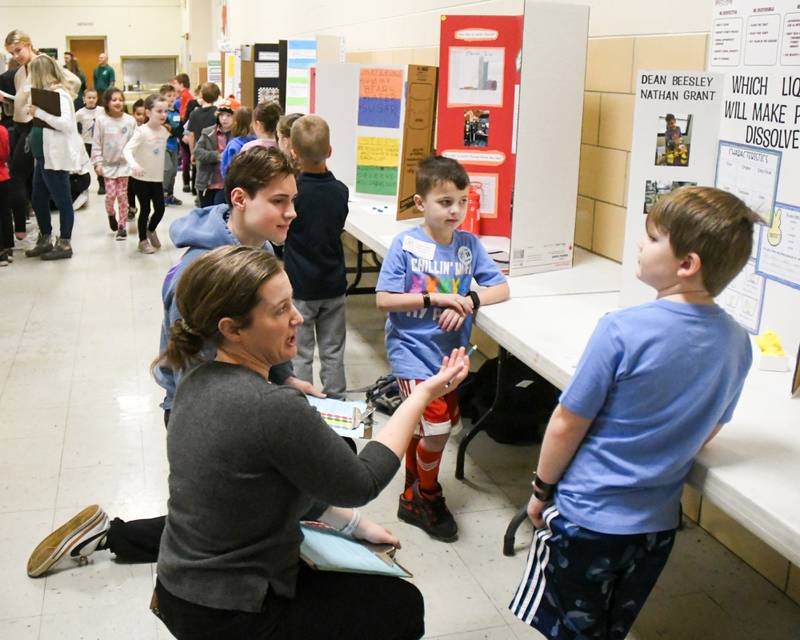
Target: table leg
359 270
478 426
511 531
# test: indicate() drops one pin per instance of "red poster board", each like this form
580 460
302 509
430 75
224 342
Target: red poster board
479 76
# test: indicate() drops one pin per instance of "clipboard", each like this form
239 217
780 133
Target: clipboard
325 549
48 101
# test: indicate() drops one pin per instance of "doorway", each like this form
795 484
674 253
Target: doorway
86 49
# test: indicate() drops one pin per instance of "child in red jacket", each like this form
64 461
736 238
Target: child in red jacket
6 224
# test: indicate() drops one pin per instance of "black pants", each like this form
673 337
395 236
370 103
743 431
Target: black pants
327 604
6 220
78 183
21 168
133 189
100 181
207 197
149 193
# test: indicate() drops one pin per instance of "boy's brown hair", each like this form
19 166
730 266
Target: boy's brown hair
436 170
183 80
311 139
256 168
209 92
164 89
286 122
242 119
712 223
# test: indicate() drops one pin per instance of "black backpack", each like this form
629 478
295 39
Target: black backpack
523 409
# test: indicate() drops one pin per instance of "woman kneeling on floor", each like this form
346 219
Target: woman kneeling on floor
249 460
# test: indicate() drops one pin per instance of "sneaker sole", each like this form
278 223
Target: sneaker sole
62 540
409 518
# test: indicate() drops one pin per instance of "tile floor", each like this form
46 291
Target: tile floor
80 423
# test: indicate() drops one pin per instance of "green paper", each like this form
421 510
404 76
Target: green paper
377 180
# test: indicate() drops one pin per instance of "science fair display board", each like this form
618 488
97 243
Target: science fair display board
381 122
675 135
510 110
757 44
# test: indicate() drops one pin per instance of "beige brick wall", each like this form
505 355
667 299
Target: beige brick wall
611 69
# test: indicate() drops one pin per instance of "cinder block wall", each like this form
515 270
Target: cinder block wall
611 72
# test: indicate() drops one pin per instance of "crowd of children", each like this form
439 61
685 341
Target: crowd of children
607 487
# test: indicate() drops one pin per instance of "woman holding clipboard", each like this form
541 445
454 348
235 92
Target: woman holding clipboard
19 45
57 149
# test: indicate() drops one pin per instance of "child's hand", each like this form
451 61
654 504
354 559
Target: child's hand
451 320
454 301
535 509
375 533
137 170
455 368
98 169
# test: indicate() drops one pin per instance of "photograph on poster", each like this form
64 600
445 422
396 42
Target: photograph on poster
476 128
673 139
779 247
476 76
751 174
486 185
654 190
268 94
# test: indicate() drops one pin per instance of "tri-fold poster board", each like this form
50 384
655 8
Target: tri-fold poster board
737 128
510 100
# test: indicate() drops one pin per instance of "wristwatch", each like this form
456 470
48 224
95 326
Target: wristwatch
426 300
476 301
542 490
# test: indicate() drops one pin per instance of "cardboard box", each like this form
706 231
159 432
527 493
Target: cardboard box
418 128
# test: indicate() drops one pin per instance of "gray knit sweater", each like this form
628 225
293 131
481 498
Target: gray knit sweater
248 460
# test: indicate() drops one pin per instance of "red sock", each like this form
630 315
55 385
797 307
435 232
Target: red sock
428 470
411 467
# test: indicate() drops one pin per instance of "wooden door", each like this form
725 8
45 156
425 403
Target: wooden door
86 51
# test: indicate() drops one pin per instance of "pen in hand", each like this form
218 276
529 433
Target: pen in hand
472 350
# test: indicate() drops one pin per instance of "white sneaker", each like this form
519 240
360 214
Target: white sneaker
81 201
77 539
152 236
146 247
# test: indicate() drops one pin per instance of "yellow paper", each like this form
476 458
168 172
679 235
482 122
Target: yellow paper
770 344
378 152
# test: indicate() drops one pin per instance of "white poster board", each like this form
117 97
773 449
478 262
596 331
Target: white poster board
548 132
665 157
758 45
336 100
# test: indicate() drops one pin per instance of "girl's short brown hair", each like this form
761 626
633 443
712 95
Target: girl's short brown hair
268 114
256 168
223 283
105 100
242 122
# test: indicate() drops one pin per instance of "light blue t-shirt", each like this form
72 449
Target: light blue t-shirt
655 380
417 264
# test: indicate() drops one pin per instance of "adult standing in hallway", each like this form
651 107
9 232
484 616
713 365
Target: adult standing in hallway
71 64
19 45
103 75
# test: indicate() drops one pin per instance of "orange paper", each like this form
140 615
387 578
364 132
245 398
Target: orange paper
381 83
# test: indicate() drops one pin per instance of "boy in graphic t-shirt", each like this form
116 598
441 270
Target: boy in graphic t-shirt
424 284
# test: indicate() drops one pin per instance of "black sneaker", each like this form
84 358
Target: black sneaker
101 191
112 222
3 259
430 515
187 188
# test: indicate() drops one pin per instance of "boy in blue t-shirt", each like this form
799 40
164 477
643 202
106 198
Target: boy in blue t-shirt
654 385
172 156
424 284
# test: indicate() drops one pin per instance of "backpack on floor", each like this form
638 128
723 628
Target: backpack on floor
384 395
523 409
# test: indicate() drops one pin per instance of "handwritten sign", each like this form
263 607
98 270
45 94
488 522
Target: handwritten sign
376 180
379 96
378 152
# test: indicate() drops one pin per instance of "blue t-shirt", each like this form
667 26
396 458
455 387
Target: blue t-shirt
417 264
655 380
174 121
